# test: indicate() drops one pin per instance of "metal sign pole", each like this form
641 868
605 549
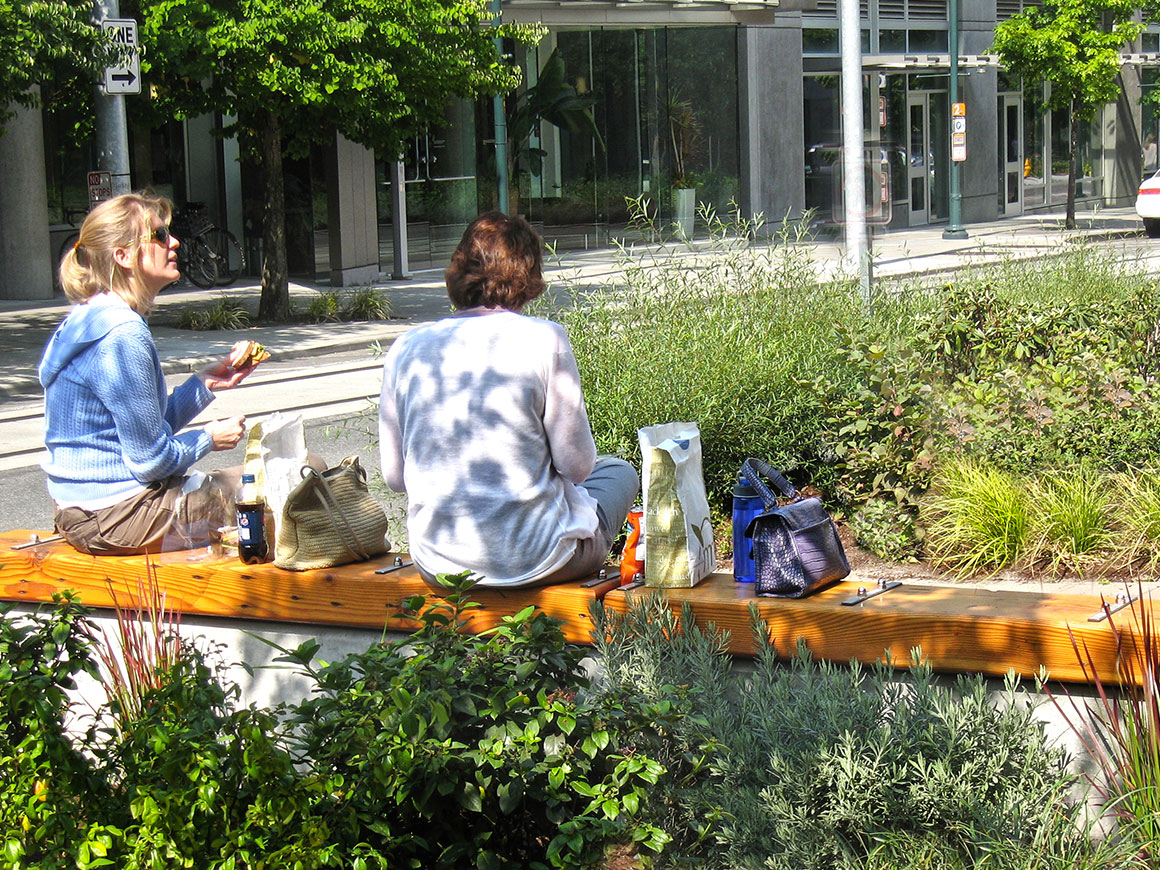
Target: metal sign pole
112 128
954 228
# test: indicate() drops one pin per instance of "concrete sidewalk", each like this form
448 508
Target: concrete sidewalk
25 326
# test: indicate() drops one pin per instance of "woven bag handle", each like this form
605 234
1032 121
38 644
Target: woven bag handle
334 511
753 469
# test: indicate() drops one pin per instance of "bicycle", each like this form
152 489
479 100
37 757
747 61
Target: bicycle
209 255
74 217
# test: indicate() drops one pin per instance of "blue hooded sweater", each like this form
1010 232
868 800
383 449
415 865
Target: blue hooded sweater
109 426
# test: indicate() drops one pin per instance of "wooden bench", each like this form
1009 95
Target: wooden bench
958 628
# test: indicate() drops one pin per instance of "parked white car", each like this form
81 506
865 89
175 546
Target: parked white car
1148 205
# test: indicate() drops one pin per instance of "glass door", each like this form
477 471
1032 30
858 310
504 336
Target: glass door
1013 163
919 156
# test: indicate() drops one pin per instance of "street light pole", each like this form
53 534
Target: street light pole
853 147
954 228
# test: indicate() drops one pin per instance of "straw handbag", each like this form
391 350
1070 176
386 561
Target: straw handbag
331 519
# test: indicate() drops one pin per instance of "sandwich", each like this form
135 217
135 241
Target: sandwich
246 354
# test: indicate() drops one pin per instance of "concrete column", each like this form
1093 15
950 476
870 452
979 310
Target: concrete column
352 214
769 73
1123 166
25 249
979 178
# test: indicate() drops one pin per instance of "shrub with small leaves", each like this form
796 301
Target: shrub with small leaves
887 530
815 765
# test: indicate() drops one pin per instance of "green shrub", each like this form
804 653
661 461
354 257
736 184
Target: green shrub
445 750
887 530
977 518
225 313
455 750
48 781
813 765
878 420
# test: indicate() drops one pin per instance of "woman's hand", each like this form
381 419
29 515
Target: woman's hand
221 375
226 433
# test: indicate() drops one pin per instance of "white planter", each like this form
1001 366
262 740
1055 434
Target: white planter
684 210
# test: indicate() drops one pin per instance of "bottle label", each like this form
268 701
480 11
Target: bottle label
251 528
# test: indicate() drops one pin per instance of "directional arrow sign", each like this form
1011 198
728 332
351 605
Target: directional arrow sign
125 78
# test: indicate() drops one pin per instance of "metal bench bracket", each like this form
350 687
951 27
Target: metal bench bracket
865 594
1123 599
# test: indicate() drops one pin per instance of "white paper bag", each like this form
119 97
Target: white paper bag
275 454
677 529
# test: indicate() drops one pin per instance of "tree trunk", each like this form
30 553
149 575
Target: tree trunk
1072 160
275 301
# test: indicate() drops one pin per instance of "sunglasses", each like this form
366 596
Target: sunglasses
160 235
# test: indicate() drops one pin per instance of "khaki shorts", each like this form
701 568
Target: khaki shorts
161 518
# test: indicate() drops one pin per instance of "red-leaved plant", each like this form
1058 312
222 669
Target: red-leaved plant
1120 727
147 645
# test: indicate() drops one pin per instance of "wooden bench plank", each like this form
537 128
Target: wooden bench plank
962 628
349 595
959 628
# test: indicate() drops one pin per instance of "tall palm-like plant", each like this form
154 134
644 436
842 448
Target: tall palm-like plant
550 99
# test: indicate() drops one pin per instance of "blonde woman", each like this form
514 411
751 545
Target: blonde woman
119 455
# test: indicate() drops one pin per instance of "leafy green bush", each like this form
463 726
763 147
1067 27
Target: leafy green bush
48 781
326 307
813 765
887 530
444 750
878 420
457 750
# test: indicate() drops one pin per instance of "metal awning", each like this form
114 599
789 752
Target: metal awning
651 4
926 62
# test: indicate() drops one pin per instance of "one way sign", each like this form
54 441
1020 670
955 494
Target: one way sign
125 78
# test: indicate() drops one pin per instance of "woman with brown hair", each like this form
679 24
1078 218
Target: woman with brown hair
482 423
118 461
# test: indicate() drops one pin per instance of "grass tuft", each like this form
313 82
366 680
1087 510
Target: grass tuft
977 518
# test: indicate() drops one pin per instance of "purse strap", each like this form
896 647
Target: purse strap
333 509
753 469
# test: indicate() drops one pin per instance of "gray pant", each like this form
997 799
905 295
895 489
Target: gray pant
615 485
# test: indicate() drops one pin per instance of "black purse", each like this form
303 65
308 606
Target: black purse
796 549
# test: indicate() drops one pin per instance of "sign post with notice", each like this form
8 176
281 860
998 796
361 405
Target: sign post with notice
125 76
958 132
100 187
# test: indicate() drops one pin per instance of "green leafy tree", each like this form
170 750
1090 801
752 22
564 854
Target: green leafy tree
1074 45
44 43
294 71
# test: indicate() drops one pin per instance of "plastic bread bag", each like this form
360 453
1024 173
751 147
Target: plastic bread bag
275 454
